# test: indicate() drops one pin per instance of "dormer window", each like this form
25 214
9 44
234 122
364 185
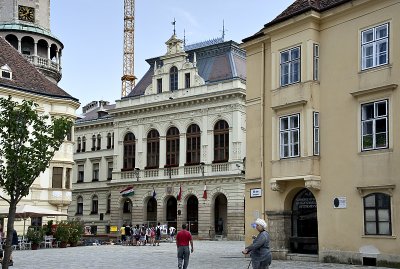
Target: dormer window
6 72
173 78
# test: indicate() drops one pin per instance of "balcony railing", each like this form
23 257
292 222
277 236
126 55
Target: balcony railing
60 196
182 172
42 62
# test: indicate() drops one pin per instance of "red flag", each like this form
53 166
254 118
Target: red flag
205 192
180 193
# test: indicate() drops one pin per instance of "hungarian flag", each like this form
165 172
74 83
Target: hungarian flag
154 193
127 192
205 192
179 197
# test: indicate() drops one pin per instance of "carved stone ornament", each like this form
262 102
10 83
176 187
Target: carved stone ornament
313 184
276 186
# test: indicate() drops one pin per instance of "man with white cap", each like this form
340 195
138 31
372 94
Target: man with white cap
259 250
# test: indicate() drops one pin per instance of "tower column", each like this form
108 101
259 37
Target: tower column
182 149
19 45
57 61
48 55
35 54
163 146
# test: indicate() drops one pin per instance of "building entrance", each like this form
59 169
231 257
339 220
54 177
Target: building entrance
172 212
193 214
220 214
152 212
304 237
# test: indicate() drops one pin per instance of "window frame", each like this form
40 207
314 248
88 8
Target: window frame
374 120
96 172
316 134
290 131
193 145
79 145
129 151
153 150
110 167
187 80
376 208
374 42
81 173
159 85
95 205
84 144
93 142
172 147
289 63
173 78
221 150
315 61
108 140
79 205
57 177
98 142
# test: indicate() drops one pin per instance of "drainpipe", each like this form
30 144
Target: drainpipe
262 95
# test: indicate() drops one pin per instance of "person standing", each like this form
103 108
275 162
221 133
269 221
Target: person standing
259 251
158 234
171 233
183 238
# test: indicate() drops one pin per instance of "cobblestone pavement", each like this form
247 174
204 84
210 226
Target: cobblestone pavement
207 255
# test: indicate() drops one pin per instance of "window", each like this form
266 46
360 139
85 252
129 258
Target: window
68 178
69 134
95 205
79 145
159 85
36 221
57 177
108 209
81 173
377 214
374 125
112 140
153 149
108 141
127 206
172 147
93 142
83 144
173 78
98 142
221 141
187 80
316 62
193 144
316 133
290 66
79 205
6 72
289 130
96 168
109 170
375 46
129 151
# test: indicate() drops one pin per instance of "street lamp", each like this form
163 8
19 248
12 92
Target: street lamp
136 173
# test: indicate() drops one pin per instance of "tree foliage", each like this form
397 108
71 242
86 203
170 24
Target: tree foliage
28 142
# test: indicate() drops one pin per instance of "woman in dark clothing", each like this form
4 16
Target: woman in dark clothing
259 250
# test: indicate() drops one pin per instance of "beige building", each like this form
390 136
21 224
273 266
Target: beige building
180 130
322 131
27 46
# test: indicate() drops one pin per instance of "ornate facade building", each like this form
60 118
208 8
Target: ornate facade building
324 111
176 144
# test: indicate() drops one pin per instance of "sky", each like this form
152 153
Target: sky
92 34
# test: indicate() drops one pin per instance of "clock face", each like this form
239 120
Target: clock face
26 13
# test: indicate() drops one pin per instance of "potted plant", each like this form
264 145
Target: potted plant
62 233
76 230
35 236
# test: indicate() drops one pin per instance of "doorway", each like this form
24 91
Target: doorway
192 214
220 214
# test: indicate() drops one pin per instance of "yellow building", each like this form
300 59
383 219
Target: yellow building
323 133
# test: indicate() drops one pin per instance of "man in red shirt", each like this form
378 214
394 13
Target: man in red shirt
182 243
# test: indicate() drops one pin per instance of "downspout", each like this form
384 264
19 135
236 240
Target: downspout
262 95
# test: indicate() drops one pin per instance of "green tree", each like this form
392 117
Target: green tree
28 141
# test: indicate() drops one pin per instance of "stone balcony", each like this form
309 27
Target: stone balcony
60 197
48 67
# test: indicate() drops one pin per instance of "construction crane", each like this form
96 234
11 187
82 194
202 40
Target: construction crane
128 78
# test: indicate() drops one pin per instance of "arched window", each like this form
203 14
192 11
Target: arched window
79 205
112 140
221 141
173 78
98 142
129 151
83 144
193 144
79 145
95 205
93 142
377 214
108 204
153 149
108 141
172 147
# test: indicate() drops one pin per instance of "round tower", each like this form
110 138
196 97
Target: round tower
25 24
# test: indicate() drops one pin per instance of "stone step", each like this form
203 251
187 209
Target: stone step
302 257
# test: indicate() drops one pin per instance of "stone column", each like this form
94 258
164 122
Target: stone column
19 46
57 61
35 54
182 149
163 147
279 228
48 56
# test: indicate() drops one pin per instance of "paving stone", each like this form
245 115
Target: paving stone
207 255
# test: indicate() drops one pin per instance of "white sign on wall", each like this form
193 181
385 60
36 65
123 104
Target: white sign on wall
255 193
339 202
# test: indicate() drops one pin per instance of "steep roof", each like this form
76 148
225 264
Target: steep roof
217 62
25 77
93 115
297 8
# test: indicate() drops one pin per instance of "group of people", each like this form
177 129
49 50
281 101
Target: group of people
140 235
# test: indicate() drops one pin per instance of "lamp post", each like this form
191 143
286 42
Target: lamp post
136 173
